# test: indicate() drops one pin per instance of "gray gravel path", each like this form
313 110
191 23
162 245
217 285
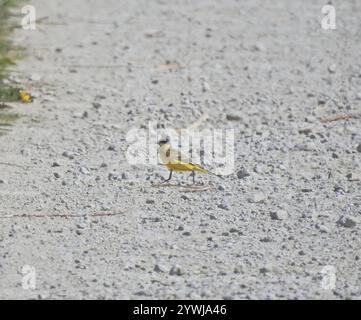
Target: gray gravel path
274 229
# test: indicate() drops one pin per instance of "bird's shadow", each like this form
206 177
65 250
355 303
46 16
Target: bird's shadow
182 187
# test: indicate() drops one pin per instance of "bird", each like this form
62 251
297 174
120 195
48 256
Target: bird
175 161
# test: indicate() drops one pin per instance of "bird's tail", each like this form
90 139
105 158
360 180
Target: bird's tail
202 170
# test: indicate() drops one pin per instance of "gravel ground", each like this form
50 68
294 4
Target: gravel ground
286 218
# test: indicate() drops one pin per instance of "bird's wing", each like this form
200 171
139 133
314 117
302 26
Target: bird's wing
176 157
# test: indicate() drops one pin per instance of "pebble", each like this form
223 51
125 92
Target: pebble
56 175
233 117
358 148
346 222
48 98
68 155
259 47
264 270
279 215
332 68
354 176
241 174
84 170
223 205
97 105
257 197
205 87
159 268
2 181
176 271
322 228
35 77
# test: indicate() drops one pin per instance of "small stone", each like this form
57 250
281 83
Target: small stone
346 222
176 271
56 175
259 47
35 77
2 181
332 68
322 228
354 176
257 197
68 155
97 105
266 239
358 148
159 268
149 201
241 174
55 164
233 117
111 148
279 215
84 170
113 176
48 98
223 205
187 233
205 87
264 270
221 188
125 176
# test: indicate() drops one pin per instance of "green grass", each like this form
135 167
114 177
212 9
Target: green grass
8 53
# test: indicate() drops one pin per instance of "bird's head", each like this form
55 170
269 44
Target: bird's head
163 141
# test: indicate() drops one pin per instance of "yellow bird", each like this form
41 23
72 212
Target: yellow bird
175 161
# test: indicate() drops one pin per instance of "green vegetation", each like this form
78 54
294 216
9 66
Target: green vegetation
7 55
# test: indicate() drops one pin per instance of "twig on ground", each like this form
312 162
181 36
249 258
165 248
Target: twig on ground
340 117
13 165
184 188
63 215
169 66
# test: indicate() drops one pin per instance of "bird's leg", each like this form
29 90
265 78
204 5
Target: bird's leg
170 176
194 177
